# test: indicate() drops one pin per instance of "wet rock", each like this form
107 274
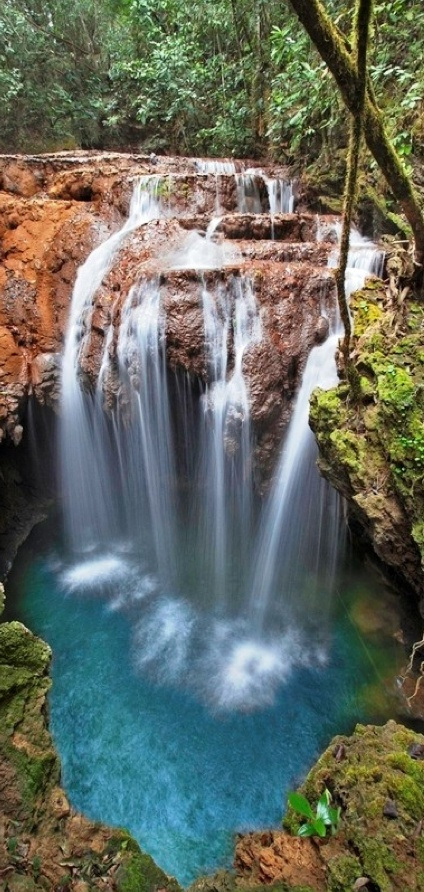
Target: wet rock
322 329
416 751
390 809
45 378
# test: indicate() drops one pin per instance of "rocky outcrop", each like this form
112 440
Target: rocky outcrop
376 778
56 208
290 297
372 445
44 844
42 245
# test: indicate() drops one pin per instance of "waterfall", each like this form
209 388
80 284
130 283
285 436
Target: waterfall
86 500
280 196
149 454
216 169
248 195
279 193
299 543
160 491
226 464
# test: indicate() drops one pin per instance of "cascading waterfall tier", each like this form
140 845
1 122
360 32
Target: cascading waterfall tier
84 480
300 540
161 491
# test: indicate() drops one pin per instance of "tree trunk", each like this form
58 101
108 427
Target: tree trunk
333 51
363 11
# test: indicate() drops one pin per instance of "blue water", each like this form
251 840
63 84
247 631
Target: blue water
140 748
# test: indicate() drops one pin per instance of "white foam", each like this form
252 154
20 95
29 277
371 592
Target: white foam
162 639
105 570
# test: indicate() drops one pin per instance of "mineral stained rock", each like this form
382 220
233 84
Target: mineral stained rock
56 208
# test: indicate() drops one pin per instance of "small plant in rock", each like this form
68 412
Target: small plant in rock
325 819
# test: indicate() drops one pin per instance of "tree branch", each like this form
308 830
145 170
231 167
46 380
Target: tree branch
332 50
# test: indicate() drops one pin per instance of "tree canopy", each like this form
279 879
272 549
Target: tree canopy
226 77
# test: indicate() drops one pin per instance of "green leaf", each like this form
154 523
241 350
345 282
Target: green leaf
300 804
306 830
323 812
319 827
334 814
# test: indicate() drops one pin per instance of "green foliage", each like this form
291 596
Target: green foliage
326 817
216 78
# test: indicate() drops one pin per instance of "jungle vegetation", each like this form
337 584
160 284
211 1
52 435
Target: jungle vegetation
216 77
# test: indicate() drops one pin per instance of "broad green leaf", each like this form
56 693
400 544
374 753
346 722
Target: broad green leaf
319 827
300 804
323 812
306 830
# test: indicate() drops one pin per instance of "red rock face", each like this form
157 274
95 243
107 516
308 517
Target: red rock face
56 209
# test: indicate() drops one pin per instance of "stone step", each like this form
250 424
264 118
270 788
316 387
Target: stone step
279 227
274 228
314 253
183 184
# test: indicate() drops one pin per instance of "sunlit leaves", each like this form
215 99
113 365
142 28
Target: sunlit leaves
326 817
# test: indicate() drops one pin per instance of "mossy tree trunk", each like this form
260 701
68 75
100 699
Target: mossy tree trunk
363 10
333 49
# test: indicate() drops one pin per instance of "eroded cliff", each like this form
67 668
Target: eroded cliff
372 446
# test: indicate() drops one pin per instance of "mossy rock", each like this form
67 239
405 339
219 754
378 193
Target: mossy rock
372 442
137 871
366 310
377 767
343 871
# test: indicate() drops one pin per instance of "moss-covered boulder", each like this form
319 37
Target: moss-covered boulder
372 447
44 843
376 777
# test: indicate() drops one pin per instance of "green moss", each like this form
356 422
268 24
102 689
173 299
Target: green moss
343 870
366 311
351 450
328 409
399 226
19 648
24 662
35 773
137 871
366 389
419 844
378 861
395 388
418 535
